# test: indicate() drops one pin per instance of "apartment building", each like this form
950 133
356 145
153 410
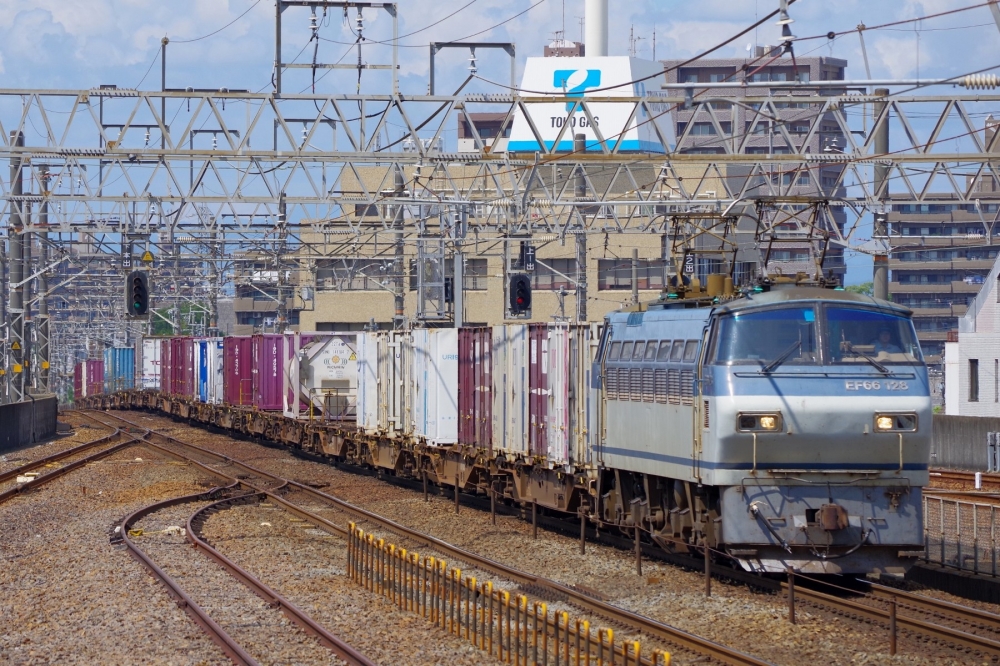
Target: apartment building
737 126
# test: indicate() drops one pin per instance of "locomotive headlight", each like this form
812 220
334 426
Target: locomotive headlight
758 422
895 422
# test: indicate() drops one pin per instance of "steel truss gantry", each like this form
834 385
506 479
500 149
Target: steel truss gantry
207 180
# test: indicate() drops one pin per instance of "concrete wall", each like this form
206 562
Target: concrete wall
959 442
23 424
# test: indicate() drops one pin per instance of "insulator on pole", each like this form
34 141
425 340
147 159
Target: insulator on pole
979 81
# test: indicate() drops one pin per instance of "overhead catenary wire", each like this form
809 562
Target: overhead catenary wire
215 32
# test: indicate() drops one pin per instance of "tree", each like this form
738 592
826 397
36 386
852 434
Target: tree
865 288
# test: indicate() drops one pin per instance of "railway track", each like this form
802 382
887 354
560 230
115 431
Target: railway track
927 618
964 480
206 503
26 477
265 484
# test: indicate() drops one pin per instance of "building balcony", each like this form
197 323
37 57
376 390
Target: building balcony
984 265
917 288
932 336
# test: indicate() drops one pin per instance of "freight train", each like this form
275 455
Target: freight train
787 426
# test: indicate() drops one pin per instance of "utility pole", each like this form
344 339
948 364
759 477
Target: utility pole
458 272
397 225
880 233
42 329
579 146
635 276
15 311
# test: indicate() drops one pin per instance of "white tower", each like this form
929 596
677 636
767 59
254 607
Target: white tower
597 28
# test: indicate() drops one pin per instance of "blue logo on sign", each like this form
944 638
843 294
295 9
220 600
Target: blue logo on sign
570 80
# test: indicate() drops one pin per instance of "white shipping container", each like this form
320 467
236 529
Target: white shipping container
435 385
395 399
367 375
149 364
208 370
510 382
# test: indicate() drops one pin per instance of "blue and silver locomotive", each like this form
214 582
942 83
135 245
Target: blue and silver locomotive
787 427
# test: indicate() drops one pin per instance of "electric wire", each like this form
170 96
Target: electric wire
215 32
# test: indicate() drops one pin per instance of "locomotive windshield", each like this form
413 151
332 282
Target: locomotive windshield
858 335
766 337
769 338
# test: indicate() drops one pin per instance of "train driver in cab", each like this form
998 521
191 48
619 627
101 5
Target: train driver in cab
884 343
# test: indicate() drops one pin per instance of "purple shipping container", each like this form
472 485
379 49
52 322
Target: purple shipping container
166 376
88 378
538 387
268 365
182 375
475 387
237 370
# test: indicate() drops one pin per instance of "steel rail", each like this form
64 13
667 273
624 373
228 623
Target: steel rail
652 627
873 614
229 646
55 457
937 607
275 600
66 469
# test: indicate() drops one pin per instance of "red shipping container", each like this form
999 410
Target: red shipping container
237 370
268 364
166 377
88 378
475 387
181 367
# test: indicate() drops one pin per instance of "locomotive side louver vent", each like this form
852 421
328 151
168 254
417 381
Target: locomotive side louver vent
706 414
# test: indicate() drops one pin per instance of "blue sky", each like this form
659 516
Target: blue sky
84 43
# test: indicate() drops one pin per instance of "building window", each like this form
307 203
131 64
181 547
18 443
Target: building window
474 276
354 274
555 274
973 380
617 273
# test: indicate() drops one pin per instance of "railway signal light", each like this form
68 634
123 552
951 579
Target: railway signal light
520 294
137 294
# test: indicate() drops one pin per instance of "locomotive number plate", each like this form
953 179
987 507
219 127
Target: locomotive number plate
875 386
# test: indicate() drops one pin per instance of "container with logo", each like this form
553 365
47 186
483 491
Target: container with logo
268 354
475 387
237 369
322 369
208 368
435 385
149 364
88 378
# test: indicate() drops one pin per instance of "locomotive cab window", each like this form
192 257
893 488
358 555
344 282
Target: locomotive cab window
616 347
858 335
768 338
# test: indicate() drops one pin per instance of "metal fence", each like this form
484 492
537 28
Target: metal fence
961 534
513 629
